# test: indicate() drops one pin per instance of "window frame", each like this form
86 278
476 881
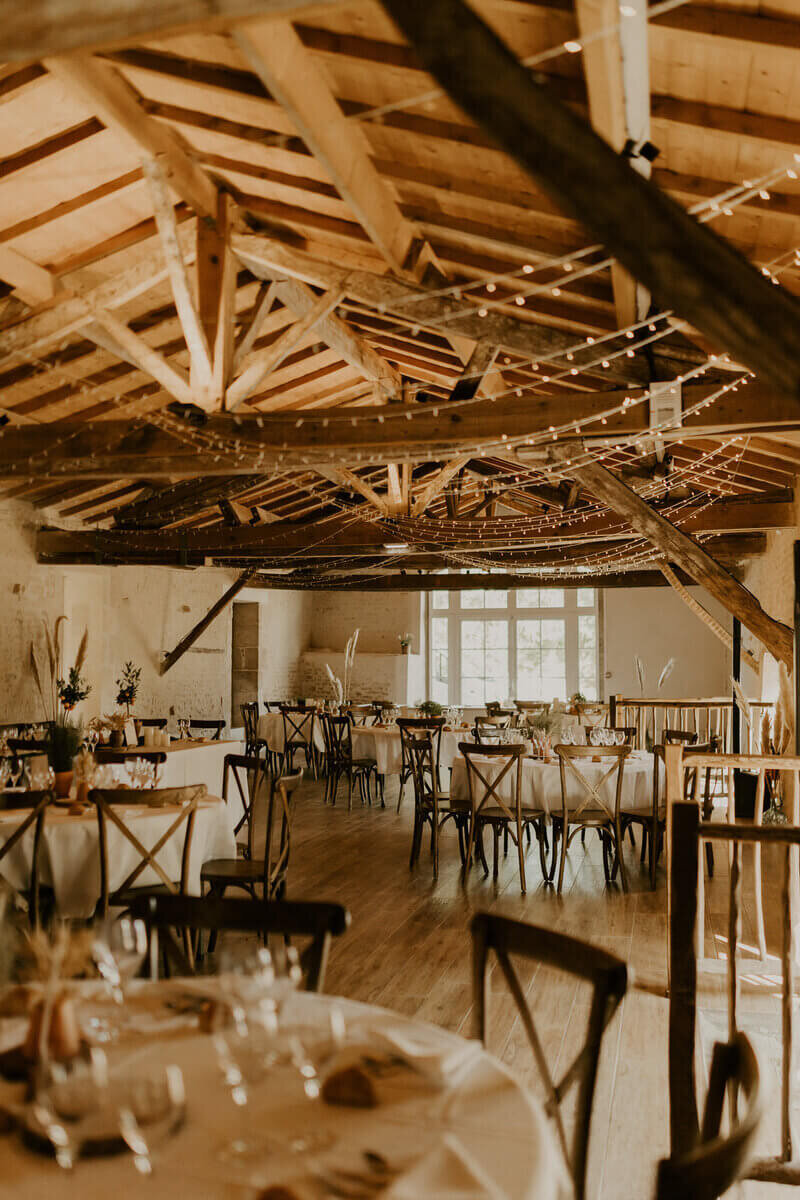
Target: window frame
513 612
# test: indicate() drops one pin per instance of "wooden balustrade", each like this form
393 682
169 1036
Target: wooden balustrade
706 717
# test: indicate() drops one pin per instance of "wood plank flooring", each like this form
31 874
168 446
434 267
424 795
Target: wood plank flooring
408 948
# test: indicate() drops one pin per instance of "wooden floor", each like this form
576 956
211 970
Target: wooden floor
408 949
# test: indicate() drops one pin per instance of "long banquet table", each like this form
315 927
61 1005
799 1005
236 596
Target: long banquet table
488 1137
541 782
192 761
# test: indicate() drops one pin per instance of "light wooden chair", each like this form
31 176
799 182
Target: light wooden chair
487 767
718 1160
592 811
191 915
180 804
687 961
606 975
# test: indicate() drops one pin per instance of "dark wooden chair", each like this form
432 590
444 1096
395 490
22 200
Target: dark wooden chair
254 744
265 876
432 807
298 735
673 737
718 1160
380 708
607 977
592 811
112 806
213 727
487 730
487 767
282 918
337 732
153 722
630 732
33 809
495 709
360 714
408 726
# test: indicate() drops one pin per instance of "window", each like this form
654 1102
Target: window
528 644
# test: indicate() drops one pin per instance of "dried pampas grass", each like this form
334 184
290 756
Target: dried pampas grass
666 671
742 702
637 662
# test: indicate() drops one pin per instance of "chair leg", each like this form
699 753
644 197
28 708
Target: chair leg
416 840
541 838
505 841
495 852
521 855
563 862
470 845
619 839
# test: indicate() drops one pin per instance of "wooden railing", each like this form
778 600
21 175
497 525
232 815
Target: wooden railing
708 718
686 833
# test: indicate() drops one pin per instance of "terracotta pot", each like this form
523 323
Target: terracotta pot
63 783
403 648
117 738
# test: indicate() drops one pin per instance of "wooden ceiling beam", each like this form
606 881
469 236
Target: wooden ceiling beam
102 449
435 486
687 553
463 581
267 257
684 263
351 536
117 104
345 478
293 77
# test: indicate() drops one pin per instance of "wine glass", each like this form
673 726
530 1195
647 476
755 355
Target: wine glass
150 1104
70 1103
118 950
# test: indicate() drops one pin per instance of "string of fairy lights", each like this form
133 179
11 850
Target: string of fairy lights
497 292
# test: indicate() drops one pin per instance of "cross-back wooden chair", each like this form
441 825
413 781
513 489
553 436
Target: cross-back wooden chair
282 918
32 806
592 811
604 973
153 722
212 726
337 731
432 807
652 820
684 737
105 754
111 805
630 734
379 709
488 729
487 767
360 714
687 960
495 709
265 877
245 781
408 726
719 1159
298 735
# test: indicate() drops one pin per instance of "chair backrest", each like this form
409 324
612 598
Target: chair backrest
244 782
336 732
29 745
711 1167
488 729
495 709
379 708
412 726
34 805
688 737
360 714
298 724
153 722
278 845
303 919
604 973
249 713
629 731
273 705
487 767
570 759
420 748
213 726
113 807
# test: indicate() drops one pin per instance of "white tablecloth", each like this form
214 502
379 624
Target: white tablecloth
541 782
195 762
383 744
70 851
270 728
502 1129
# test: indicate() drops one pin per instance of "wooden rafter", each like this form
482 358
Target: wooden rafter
684 550
292 76
435 486
202 625
684 263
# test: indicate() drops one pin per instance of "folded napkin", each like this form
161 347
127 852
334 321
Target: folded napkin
447 1172
439 1059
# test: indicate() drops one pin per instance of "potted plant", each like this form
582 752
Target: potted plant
405 642
58 699
430 708
128 686
115 723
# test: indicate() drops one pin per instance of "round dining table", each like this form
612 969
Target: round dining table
270 729
382 742
450 1119
69 855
